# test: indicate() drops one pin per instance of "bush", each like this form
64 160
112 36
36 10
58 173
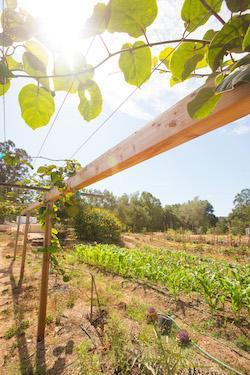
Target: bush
97 224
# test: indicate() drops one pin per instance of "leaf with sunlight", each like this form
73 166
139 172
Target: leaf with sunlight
37 105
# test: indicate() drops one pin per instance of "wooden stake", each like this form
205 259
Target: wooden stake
25 240
44 278
17 234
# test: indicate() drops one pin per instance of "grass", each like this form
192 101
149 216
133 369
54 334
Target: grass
137 311
88 360
16 330
243 343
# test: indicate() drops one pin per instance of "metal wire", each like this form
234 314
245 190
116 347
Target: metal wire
4 102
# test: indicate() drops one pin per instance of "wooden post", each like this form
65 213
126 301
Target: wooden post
44 278
17 234
25 240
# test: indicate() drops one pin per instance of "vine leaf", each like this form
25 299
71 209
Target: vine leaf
90 105
203 104
185 59
4 87
132 16
35 67
13 64
71 83
98 22
4 73
38 50
229 38
246 41
19 26
136 64
37 105
165 56
194 14
238 5
238 77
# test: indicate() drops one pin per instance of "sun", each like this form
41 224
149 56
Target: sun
61 22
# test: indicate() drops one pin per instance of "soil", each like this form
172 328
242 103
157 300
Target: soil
68 322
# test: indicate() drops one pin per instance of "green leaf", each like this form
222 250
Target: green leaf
4 87
71 83
136 64
19 26
13 64
132 16
90 107
185 59
38 50
229 38
4 73
165 56
203 104
246 41
37 105
238 77
98 22
35 67
238 5
194 14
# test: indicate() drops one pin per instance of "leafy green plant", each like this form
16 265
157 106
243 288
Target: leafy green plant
95 224
87 359
176 271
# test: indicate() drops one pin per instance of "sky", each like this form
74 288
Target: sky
214 167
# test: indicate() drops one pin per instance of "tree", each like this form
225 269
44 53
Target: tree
13 168
239 219
137 58
196 215
97 224
242 198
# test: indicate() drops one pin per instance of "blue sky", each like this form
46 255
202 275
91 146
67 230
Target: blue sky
213 167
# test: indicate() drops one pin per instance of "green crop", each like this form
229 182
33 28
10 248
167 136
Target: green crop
216 281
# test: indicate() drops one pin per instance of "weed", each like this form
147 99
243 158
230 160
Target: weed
243 343
117 339
49 319
16 330
88 361
137 311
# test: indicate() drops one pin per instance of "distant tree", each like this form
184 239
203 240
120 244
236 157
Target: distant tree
171 219
221 226
13 168
97 224
242 198
239 219
196 215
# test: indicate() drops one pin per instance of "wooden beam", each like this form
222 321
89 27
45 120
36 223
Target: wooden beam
172 128
25 240
17 235
44 278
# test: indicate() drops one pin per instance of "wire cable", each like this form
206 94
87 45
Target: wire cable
134 91
5 81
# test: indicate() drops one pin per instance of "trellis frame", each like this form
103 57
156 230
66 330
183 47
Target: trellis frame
172 128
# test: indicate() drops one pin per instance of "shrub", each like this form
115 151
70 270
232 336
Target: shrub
97 224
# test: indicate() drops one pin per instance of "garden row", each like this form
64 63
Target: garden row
222 285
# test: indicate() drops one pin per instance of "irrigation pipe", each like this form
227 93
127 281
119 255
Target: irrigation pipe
210 356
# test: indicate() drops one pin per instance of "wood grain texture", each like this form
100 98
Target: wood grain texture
172 128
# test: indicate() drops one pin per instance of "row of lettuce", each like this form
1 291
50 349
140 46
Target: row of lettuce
223 286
